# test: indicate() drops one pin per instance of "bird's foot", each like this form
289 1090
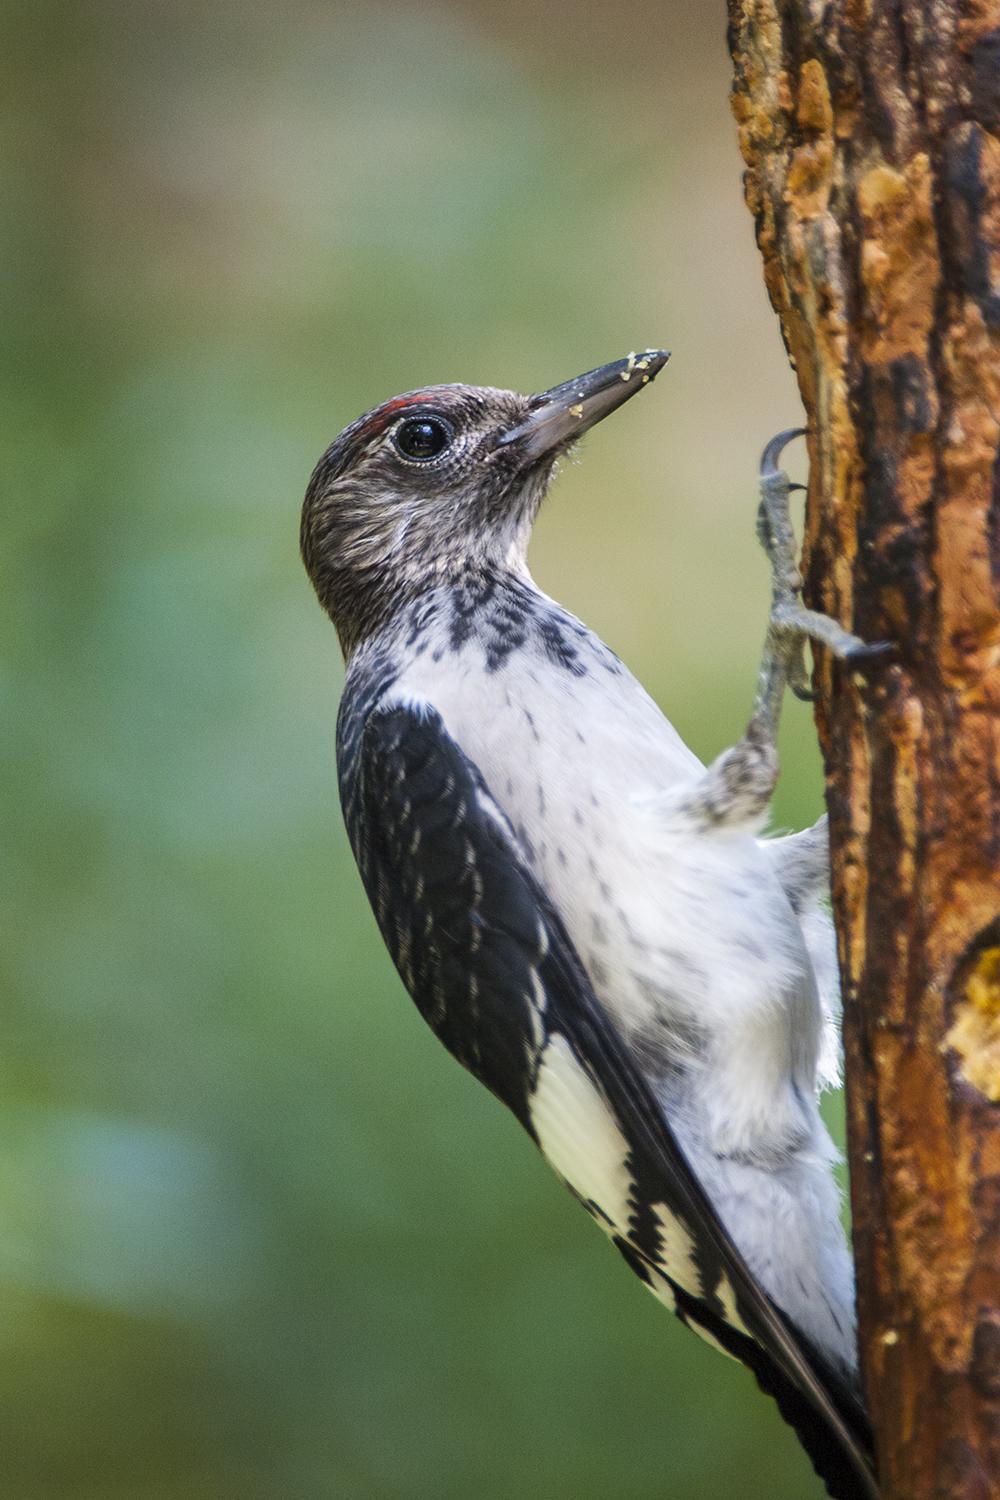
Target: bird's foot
791 624
735 790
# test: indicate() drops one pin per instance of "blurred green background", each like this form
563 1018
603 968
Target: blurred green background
259 1235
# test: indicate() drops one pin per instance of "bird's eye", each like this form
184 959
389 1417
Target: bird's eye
422 438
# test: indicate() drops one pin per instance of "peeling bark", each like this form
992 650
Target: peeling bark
871 135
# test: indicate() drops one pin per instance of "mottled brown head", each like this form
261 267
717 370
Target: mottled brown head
439 480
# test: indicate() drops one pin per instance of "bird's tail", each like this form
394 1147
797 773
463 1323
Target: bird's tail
846 1467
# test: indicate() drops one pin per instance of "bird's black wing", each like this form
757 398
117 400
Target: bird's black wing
491 967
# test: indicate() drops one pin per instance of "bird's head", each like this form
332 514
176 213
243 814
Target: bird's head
437 480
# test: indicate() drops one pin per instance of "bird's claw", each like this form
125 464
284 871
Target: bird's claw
868 650
771 455
798 678
850 649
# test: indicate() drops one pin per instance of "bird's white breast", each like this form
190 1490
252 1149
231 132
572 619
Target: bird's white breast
663 922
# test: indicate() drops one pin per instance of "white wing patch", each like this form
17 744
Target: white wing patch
578 1133
677 1251
536 1008
727 1296
661 1289
581 1140
664 1293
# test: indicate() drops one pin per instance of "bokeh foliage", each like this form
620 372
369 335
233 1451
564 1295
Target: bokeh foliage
259 1237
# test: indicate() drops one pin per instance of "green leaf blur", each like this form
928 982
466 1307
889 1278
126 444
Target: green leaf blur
260 1238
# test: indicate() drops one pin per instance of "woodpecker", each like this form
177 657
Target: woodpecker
588 917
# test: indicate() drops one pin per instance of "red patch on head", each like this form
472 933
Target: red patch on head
384 414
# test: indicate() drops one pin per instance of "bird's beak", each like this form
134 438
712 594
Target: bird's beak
560 415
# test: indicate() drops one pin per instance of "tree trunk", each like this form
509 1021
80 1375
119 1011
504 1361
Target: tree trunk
870 133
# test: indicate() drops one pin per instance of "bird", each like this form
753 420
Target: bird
591 920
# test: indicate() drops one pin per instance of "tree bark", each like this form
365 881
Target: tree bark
871 135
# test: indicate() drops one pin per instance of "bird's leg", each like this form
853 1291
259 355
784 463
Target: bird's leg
736 788
790 624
